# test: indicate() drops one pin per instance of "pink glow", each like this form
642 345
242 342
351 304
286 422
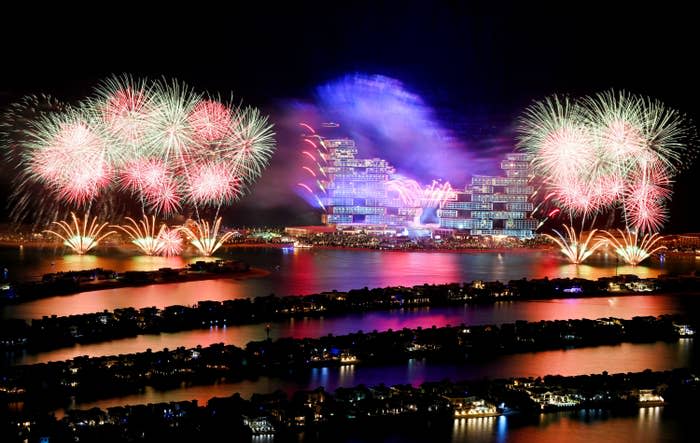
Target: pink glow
210 120
212 184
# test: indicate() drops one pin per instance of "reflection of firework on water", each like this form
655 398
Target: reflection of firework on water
81 238
205 238
631 248
575 247
170 242
151 138
143 234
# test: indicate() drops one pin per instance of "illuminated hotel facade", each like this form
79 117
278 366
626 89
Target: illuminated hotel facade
356 191
495 205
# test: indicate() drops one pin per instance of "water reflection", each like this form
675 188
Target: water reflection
475 429
623 358
310 271
504 312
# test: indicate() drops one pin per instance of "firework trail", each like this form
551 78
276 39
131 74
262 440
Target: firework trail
143 234
610 152
205 238
81 238
160 142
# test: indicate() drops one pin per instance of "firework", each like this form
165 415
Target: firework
210 120
170 136
631 248
70 157
160 142
213 184
611 151
436 194
408 190
81 238
575 247
170 242
27 196
205 238
250 144
124 106
143 234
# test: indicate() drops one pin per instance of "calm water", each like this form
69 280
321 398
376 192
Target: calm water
502 312
309 271
303 272
648 425
621 358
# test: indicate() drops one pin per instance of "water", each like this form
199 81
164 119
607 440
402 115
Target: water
304 272
497 313
648 425
316 270
625 357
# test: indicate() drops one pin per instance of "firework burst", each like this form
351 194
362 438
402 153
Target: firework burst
633 249
143 234
574 246
170 242
158 141
205 237
611 152
81 238
213 184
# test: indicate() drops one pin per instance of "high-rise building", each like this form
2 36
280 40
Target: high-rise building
495 205
356 191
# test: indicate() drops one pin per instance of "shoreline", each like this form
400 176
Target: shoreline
100 285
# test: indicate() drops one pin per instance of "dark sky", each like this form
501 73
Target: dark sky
464 63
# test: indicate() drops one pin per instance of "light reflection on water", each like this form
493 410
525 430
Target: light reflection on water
626 357
584 426
305 272
498 313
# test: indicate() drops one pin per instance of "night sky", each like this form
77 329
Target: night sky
477 71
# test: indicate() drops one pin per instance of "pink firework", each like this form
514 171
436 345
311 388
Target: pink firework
566 151
645 197
575 195
126 112
409 191
621 139
170 242
144 175
605 190
163 198
213 184
210 120
72 163
437 193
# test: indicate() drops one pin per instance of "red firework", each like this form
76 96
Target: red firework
213 184
126 112
645 199
163 198
72 164
144 176
210 120
170 242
